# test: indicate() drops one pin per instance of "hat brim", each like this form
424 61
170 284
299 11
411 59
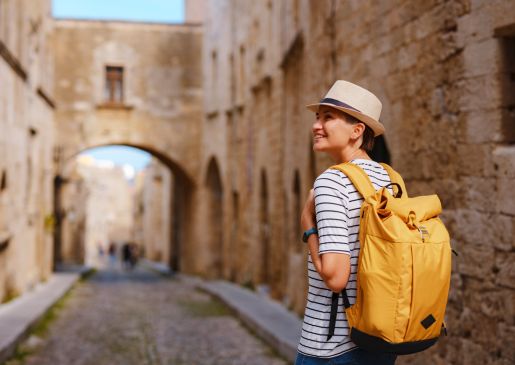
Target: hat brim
375 125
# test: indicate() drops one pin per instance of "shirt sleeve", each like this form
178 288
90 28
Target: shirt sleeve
331 209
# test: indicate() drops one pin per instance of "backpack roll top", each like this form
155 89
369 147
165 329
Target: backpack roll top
404 269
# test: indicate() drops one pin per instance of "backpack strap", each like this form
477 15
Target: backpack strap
396 178
362 183
358 177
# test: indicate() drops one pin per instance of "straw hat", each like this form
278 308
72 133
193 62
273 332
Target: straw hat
356 101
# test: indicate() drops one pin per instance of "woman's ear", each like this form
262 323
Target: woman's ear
358 130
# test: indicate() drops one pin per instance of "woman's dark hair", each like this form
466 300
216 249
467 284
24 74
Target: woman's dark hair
368 135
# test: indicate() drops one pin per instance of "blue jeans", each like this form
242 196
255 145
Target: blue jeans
354 357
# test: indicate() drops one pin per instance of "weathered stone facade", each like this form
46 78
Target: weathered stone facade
444 72
242 164
153 212
74 196
26 141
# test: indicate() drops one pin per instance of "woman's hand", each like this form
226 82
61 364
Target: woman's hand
307 218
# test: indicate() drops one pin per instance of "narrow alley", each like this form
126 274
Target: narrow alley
174 134
139 317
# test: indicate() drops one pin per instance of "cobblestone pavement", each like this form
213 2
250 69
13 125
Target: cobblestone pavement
124 318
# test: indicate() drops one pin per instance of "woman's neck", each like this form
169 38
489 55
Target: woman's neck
346 155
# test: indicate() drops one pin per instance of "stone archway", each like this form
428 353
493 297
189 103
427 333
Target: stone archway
181 193
215 192
158 107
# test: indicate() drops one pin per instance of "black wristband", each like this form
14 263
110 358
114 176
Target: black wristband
308 233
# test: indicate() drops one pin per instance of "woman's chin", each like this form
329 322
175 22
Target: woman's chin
318 147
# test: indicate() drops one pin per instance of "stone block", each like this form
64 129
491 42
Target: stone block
477 261
505 269
504 232
479 193
475 27
501 12
475 160
506 202
480 93
504 161
482 58
473 227
483 126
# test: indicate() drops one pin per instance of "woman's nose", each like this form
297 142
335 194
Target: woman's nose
316 125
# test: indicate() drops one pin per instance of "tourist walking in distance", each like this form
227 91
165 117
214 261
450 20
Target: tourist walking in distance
112 255
347 120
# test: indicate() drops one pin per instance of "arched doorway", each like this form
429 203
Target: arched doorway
265 275
215 219
174 206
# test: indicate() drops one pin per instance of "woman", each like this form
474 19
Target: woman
347 120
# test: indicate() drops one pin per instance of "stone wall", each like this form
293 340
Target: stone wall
444 72
155 203
160 107
74 193
26 140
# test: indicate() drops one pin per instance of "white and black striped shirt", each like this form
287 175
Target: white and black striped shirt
337 205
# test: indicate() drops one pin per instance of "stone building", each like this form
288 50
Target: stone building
74 196
153 213
222 107
26 142
134 84
97 210
444 72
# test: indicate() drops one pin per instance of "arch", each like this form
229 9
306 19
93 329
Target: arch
182 189
265 274
177 169
214 186
296 209
233 241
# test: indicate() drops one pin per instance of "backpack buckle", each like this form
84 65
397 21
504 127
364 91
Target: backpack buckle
423 232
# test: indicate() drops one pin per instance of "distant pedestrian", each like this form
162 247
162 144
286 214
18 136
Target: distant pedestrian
100 249
112 255
127 256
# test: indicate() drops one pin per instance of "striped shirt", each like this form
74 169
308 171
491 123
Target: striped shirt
337 205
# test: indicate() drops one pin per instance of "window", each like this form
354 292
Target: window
3 181
114 85
507 76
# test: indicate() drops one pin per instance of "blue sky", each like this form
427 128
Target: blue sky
160 11
120 155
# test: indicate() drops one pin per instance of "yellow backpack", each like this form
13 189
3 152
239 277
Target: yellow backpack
404 268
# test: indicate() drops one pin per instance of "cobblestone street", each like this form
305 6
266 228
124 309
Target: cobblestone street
123 318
